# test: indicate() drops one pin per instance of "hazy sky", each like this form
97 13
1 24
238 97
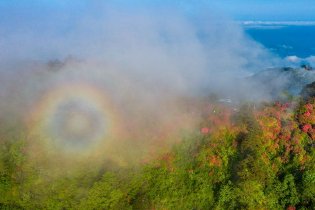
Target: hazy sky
269 9
238 9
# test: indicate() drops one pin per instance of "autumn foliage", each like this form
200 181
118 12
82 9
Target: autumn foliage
239 157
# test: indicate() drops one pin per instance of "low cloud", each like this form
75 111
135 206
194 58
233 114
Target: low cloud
148 61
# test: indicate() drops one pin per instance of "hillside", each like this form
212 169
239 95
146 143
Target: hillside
254 157
286 79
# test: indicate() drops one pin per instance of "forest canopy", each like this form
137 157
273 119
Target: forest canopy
254 157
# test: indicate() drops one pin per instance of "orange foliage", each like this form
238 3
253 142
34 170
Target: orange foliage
215 160
282 130
291 208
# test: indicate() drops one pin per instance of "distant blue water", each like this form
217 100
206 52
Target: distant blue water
286 40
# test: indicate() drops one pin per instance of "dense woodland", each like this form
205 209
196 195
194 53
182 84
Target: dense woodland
251 157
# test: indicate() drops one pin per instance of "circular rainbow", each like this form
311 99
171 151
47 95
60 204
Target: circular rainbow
73 116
